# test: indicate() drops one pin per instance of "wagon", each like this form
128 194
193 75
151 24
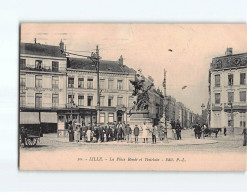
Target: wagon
29 137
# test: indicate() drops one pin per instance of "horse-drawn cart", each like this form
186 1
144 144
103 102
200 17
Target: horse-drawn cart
29 137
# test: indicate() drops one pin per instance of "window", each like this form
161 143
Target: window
80 82
54 66
38 81
217 98
80 100
90 83
55 100
110 117
131 102
38 64
71 99
90 101
55 82
120 84
22 63
102 84
242 78
102 118
110 101
110 84
38 100
242 119
230 97
120 101
242 95
22 99
217 80
230 79
102 100
71 82
22 81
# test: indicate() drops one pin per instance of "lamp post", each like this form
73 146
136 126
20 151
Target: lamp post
203 106
232 117
95 59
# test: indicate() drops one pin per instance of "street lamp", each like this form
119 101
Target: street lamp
95 59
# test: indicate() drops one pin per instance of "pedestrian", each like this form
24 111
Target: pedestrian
244 133
84 131
224 131
128 133
145 131
77 133
115 130
23 135
100 132
71 132
119 132
124 129
89 131
178 130
154 133
136 133
108 132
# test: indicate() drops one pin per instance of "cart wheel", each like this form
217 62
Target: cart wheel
31 141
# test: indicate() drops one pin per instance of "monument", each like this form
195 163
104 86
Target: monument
139 113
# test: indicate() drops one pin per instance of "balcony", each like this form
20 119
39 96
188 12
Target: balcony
42 69
236 106
217 107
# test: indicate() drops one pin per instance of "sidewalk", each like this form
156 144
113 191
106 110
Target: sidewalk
185 141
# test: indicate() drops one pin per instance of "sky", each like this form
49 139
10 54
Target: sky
146 47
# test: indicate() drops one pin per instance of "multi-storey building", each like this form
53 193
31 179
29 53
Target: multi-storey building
227 90
115 90
42 84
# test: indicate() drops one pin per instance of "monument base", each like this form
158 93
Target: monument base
139 117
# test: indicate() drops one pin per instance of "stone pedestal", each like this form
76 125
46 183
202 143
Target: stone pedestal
139 117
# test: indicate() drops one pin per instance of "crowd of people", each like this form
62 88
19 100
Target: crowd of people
120 132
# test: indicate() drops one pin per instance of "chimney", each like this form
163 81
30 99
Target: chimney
228 51
61 45
120 60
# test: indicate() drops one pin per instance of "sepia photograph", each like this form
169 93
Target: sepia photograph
132 97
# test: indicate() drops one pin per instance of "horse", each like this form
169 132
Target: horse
208 132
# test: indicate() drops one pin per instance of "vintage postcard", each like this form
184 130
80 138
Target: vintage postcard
132 97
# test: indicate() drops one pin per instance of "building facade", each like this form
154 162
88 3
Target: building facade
42 84
115 90
227 90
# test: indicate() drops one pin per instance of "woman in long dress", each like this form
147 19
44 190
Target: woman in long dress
77 134
89 131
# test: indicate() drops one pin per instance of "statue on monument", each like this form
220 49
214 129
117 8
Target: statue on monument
141 92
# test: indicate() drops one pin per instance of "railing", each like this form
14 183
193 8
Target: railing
39 69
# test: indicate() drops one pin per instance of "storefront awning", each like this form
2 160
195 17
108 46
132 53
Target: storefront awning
29 118
48 117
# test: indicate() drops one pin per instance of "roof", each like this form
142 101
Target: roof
105 65
41 50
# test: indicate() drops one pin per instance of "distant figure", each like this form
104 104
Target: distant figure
154 133
89 131
77 133
124 127
178 130
136 133
145 133
128 133
71 132
244 133
224 131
